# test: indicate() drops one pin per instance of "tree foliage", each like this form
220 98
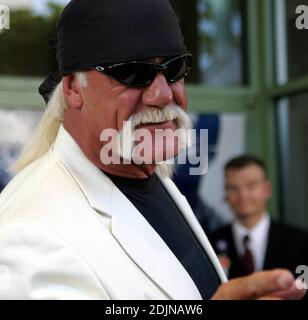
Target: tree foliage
24 48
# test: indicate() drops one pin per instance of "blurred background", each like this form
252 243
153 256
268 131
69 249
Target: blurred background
249 88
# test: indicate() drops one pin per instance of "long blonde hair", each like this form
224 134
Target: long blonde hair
47 130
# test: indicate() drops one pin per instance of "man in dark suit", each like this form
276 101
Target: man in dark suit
254 242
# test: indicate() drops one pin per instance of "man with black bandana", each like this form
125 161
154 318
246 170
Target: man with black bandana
73 226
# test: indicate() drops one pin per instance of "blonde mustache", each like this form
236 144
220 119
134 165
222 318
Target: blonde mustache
160 115
156 115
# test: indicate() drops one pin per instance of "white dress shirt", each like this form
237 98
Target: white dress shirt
258 240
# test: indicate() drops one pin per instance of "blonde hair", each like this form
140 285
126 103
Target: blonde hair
48 128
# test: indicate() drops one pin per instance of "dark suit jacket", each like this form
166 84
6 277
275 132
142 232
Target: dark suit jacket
287 247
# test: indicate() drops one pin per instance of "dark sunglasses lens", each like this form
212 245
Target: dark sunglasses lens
140 74
133 74
178 68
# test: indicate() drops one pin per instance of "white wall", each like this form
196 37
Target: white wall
231 143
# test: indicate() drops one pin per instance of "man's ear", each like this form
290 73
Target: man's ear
72 91
269 189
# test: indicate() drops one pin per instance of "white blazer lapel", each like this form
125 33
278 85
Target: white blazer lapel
192 221
143 244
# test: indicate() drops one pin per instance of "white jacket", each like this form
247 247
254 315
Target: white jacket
67 232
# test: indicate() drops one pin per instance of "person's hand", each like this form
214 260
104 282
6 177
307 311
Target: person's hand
278 284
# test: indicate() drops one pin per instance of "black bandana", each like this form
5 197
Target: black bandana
93 32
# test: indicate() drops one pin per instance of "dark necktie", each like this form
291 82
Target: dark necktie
248 258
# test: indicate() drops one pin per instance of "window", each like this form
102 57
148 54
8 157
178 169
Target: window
293 141
221 55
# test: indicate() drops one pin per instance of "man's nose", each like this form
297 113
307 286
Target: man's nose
243 193
158 93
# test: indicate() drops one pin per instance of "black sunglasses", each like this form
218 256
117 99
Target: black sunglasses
141 73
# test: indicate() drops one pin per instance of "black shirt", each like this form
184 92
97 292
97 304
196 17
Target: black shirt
150 197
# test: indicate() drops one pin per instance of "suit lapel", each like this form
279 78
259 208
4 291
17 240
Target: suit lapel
143 244
195 226
237 268
271 250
